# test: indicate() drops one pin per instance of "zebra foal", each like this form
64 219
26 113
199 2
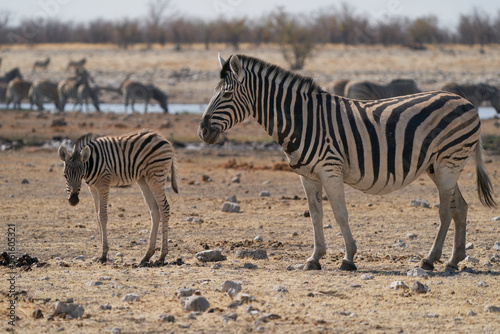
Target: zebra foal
143 157
374 146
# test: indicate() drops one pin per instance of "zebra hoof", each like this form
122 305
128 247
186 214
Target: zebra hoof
426 265
448 264
348 266
103 260
312 265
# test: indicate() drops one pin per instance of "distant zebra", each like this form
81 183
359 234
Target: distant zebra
338 87
3 91
68 88
76 64
17 90
43 64
12 74
374 146
42 89
371 90
133 90
143 157
476 94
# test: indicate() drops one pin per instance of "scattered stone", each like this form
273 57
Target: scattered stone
231 287
355 285
230 316
366 277
216 266
79 258
235 304
258 239
417 272
184 292
327 226
491 309
104 278
497 246
37 314
268 317
256 254
116 330
471 259
105 307
396 285
482 284
184 326
420 202
210 256
68 309
399 243
230 207
246 298
250 266
167 317
418 287
470 245
232 199
93 283
195 303
496 219
411 236
471 314
487 264
299 266
264 193
494 259
130 297
193 219
192 315
279 288
25 181
59 122
235 179
431 315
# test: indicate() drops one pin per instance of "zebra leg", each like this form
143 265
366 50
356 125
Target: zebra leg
154 211
102 195
157 187
95 196
334 188
146 106
313 191
460 220
446 183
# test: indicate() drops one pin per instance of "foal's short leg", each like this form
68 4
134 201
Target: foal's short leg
157 187
446 182
102 194
334 188
313 191
155 218
460 219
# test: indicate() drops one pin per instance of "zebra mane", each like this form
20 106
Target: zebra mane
81 142
248 62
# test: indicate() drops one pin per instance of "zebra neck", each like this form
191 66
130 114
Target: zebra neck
279 106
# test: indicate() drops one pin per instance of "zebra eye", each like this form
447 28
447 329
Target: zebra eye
227 94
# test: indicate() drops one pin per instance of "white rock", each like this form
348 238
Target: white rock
491 308
396 285
93 283
411 236
184 292
366 277
497 246
471 314
231 287
496 219
167 317
193 219
232 199
471 259
130 297
258 239
195 303
417 272
482 284
264 193
279 288
211 255
230 207
420 202
71 309
79 258
470 245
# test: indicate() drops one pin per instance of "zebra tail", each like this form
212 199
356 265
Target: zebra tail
484 186
173 175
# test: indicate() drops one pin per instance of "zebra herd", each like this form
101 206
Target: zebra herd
375 146
80 87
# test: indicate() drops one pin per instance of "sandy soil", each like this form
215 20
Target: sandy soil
48 228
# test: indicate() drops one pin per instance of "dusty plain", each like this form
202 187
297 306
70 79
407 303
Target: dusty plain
331 301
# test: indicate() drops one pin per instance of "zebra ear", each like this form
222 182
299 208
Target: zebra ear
221 61
235 65
64 155
85 154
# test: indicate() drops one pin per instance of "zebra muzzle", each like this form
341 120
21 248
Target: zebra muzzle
207 133
73 199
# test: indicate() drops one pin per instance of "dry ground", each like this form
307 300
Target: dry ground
48 228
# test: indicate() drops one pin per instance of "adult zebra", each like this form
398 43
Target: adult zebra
374 146
143 157
476 94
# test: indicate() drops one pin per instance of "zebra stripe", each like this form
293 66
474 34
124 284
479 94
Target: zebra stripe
376 146
143 157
